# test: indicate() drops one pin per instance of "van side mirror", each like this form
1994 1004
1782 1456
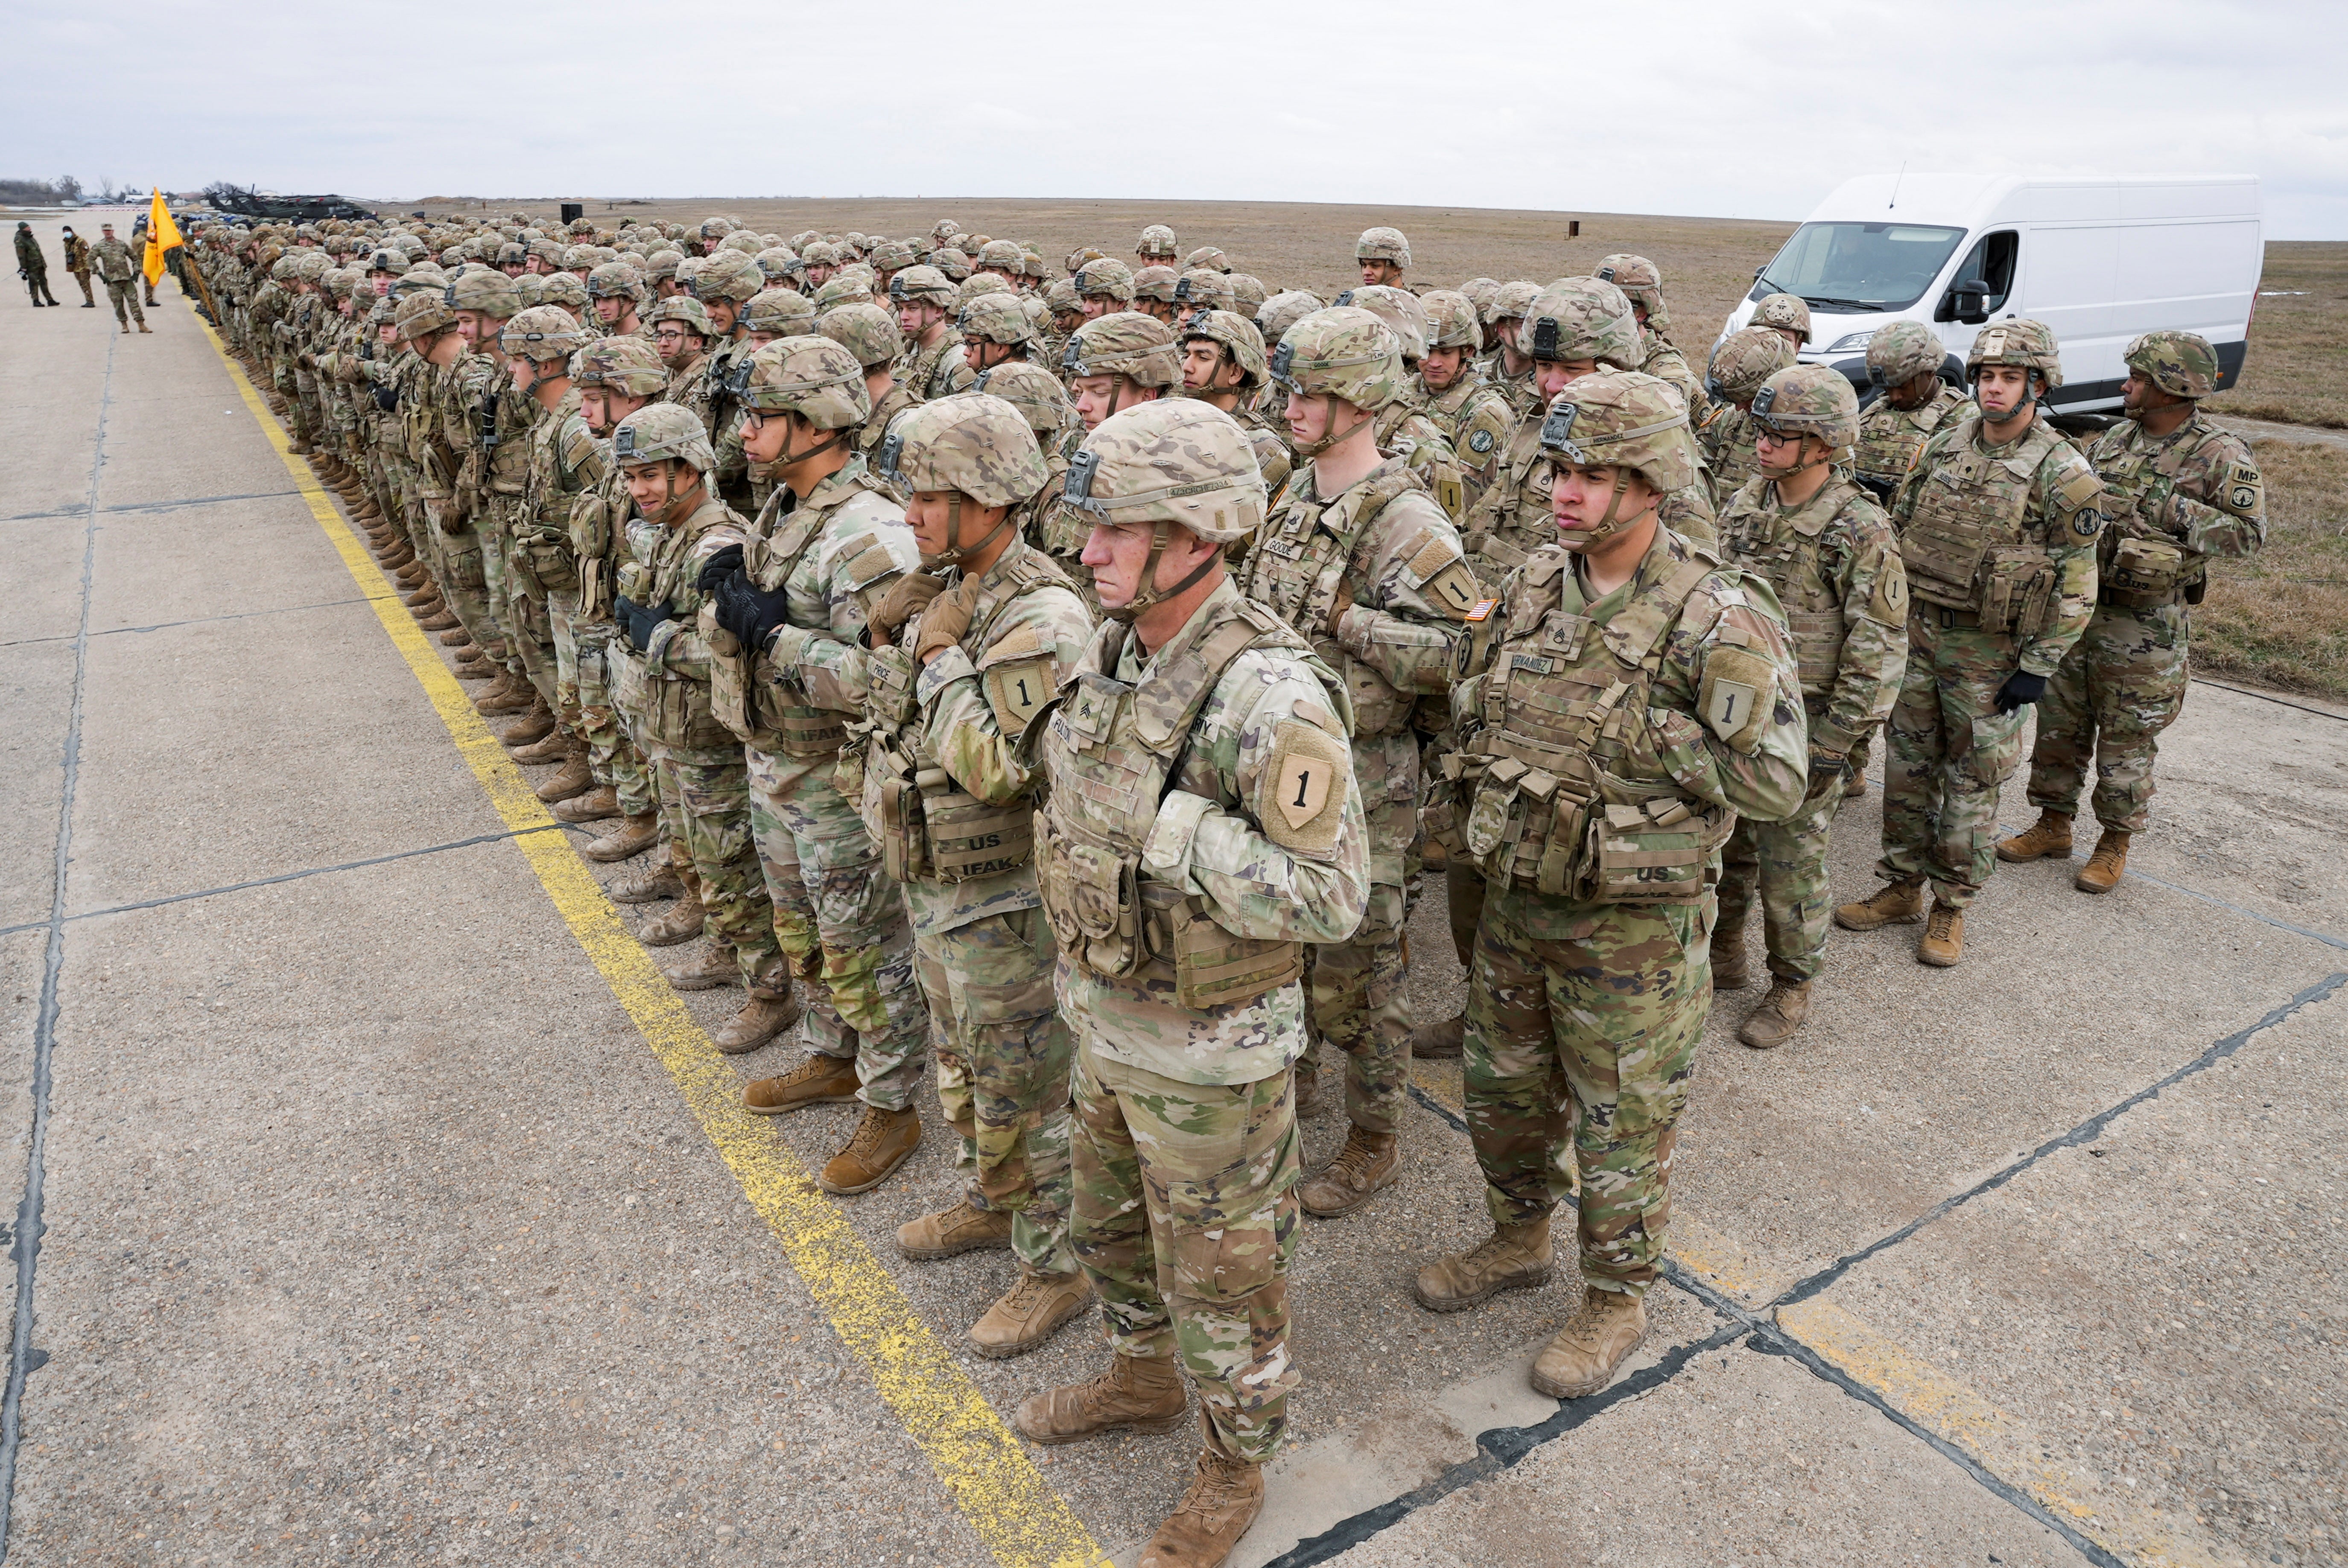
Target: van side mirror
1969 302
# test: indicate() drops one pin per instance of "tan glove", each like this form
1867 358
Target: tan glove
945 622
904 600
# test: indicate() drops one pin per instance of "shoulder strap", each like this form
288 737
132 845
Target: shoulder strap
1028 570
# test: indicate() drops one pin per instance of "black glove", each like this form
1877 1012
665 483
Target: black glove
638 620
387 399
2020 688
750 612
1827 770
717 568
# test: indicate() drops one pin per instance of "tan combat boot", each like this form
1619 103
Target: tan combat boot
472 665
1944 938
1029 1312
588 805
712 969
1780 1015
1594 1342
457 637
534 726
1900 903
441 621
883 1140
508 696
762 1017
818 1081
1136 1394
2106 865
636 834
2050 834
682 921
1365 1166
557 747
1440 1041
949 1233
650 886
1731 967
1224 1499
1513 1257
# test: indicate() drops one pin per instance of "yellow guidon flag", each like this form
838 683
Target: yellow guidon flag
162 235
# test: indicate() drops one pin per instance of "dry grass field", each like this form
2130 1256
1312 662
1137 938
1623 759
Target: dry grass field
2281 618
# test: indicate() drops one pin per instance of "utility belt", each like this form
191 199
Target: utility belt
2012 590
1119 925
1552 830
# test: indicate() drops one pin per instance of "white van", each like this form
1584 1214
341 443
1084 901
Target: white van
2099 261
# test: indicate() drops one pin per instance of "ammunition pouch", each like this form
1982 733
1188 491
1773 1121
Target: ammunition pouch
2146 572
2019 598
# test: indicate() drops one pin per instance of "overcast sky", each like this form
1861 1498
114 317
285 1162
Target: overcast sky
1707 108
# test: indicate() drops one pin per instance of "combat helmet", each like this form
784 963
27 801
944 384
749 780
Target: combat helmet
1174 463
424 314
1451 320
1137 347
920 285
1625 420
995 318
1642 282
627 362
1741 360
952 261
1899 354
1282 312
1383 244
1783 313
813 377
2181 364
1248 293
1035 392
778 313
559 288
1206 256
1202 289
1509 301
1344 352
842 288
1106 275
727 275
1157 283
1238 338
530 289
542 333
1811 400
687 309
976 445
1399 309
1581 318
868 332
482 288
777 263
1157 243
615 281
978 285
2022 341
1002 255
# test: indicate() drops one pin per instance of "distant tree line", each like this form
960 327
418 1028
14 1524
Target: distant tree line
40 192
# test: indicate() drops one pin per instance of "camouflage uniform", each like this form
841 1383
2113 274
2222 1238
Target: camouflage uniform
1171 808
1889 437
116 264
599 547
1606 750
567 466
1725 433
947 733
1998 543
2177 500
1835 567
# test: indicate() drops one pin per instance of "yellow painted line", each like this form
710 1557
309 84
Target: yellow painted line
1015 1514
2002 1443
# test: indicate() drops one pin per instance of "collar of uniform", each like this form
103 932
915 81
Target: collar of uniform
1656 564
835 486
1809 519
2006 448
1328 504
1132 668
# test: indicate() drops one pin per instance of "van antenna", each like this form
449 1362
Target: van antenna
1894 188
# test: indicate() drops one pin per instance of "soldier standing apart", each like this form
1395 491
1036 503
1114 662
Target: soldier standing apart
967 653
1367 569
33 266
1997 522
78 262
1383 255
1827 551
1202 825
1642 696
116 264
2182 490
795 607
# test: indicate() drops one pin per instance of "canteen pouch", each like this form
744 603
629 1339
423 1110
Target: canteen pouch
1090 895
1659 853
2147 570
2020 595
731 699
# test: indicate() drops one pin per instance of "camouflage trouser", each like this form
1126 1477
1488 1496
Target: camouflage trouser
125 295
706 807
1356 998
1951 753
1184 1217
514 599
2122 684
457 563
832 900
1589 1038
612 756
1002 1074
1785 862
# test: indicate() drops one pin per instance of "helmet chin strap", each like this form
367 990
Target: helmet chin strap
956 552
787 458
1801 449
1330 438
1146 593
1608 526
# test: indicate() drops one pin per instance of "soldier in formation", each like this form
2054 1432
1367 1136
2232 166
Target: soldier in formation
1072 681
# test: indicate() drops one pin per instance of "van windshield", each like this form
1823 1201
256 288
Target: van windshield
1859 266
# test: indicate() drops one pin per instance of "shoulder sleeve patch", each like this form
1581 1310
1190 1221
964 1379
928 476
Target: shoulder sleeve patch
1455 590
1018 689
2080 489
1302 804
1433 552
1735 699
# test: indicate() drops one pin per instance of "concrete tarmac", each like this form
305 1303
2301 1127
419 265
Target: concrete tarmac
376 1224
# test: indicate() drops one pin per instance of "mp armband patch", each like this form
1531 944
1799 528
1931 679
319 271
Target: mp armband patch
1303 805
1736 696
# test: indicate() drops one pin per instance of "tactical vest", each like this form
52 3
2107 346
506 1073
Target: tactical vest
1439 467
1889 440
928 827
543 550
676 710
747 708
1497 535
2142 567
1298 566
1795 567
1967 546
1113 752
1561 807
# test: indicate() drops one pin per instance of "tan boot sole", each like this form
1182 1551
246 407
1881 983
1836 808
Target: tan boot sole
1034 1341
1583 1390
1533 1281
1149 1424
882 1175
